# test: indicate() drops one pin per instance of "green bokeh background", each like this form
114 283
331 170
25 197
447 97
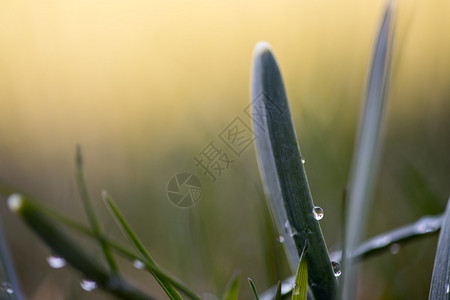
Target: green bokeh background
144 86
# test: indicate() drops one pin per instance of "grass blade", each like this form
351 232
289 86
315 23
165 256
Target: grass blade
283 173
81 183
367 147
299 290
64 246
167 286
7 268
440 280
252 285
232 291
278 292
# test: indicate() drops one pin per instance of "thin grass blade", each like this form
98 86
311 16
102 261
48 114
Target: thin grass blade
278 292
300 287
367 147
167 286
440 280
81 183
64 246
283 174
252 285
232 291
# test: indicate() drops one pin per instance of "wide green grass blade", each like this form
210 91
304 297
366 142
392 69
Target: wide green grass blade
232 291
300 287
167 286
64 246
283 174
252 285
440 280
82 188
367 148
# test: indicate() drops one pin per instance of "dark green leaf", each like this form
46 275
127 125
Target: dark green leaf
440 281
283 173
64 246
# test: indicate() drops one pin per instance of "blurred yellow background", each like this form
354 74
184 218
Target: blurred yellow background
144 86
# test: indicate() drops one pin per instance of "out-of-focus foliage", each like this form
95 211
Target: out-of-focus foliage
144 87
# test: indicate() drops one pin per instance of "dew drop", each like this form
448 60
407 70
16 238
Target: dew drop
287 228
295 289
88 285
138 264
302 160
281 239
318 213
447 288
336 268
56 262
394 248
7 287
424 227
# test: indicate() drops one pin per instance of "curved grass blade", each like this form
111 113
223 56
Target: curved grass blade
232 291
440 280
81 183
64 246
299 290
283 174
367 148
252 285
167 286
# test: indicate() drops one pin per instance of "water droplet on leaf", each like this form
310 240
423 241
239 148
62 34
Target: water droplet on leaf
447 288
302 160
336 268
7 287
318 213
281 239
295 289
88 285
138 264
56 262
394 248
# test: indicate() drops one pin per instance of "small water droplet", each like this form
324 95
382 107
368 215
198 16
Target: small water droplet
56 262
394 248
424 227
295 289
138 264
88 285
318 213
447 288
281 239
287 228
302 160
336 268
7 287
